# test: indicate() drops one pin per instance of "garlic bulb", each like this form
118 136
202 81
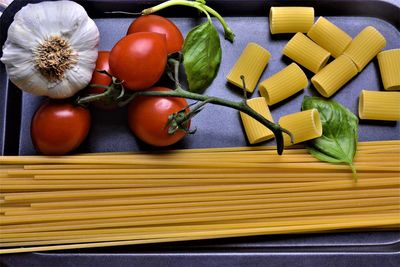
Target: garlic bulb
51 49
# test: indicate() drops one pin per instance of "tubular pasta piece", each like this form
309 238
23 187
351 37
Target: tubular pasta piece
283 84
304 125
389 65
307 53
375 105
329 36
365 46
290 19
331 78
255 131
251 65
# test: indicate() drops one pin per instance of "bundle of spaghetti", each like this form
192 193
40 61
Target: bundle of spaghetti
110 199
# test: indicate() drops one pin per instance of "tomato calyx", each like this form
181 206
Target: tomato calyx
114 93
180 121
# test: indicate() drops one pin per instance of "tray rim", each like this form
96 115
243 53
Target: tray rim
395 3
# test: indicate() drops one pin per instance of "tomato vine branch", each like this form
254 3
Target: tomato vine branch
201 6
240 106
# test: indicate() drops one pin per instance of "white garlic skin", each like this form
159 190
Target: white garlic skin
31 26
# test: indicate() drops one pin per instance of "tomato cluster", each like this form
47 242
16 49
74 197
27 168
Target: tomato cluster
137 60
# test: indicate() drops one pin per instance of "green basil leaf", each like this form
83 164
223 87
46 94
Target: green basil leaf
338 143
201 56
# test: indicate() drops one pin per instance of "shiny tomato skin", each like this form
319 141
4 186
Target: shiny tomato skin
101 79
139 59
155 23
148 116
59 127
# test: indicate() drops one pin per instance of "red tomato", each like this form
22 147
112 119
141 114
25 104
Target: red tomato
101 79
139 59
154 23
148 116
58 127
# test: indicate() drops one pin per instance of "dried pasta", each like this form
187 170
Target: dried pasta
389 65
305 52
365 46
376 105
304 125
290 19
283 84
329 36
205 193
331 78
255 131
250 65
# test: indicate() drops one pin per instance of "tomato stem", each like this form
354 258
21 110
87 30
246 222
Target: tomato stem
228 33
240 106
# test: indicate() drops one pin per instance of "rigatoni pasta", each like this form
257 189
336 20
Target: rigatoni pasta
290 19
250 65
365 46
307 53
255 131
283 84
337 73
389 65
329 36
304 126
376 105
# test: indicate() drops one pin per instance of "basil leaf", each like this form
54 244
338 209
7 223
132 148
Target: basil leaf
201 56
338 143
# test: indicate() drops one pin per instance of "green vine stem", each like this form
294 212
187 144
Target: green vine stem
240 106
116 88
179 92
228 33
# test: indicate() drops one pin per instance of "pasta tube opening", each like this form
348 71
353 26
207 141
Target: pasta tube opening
283 84
304 126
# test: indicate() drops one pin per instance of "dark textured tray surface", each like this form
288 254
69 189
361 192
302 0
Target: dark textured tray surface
110 133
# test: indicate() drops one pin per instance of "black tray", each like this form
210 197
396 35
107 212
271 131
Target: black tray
110 133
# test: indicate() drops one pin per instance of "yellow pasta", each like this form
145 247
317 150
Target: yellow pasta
304 125
250 65
329 36
337 73
305 52
375 105
389 65
365 46
283 84
255 131
290 19
259 193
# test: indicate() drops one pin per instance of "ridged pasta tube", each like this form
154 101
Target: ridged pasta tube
329 36
389 65
304 126
365 46
251 65
283 84
306 53
255 131
337 73
378 105
290 19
